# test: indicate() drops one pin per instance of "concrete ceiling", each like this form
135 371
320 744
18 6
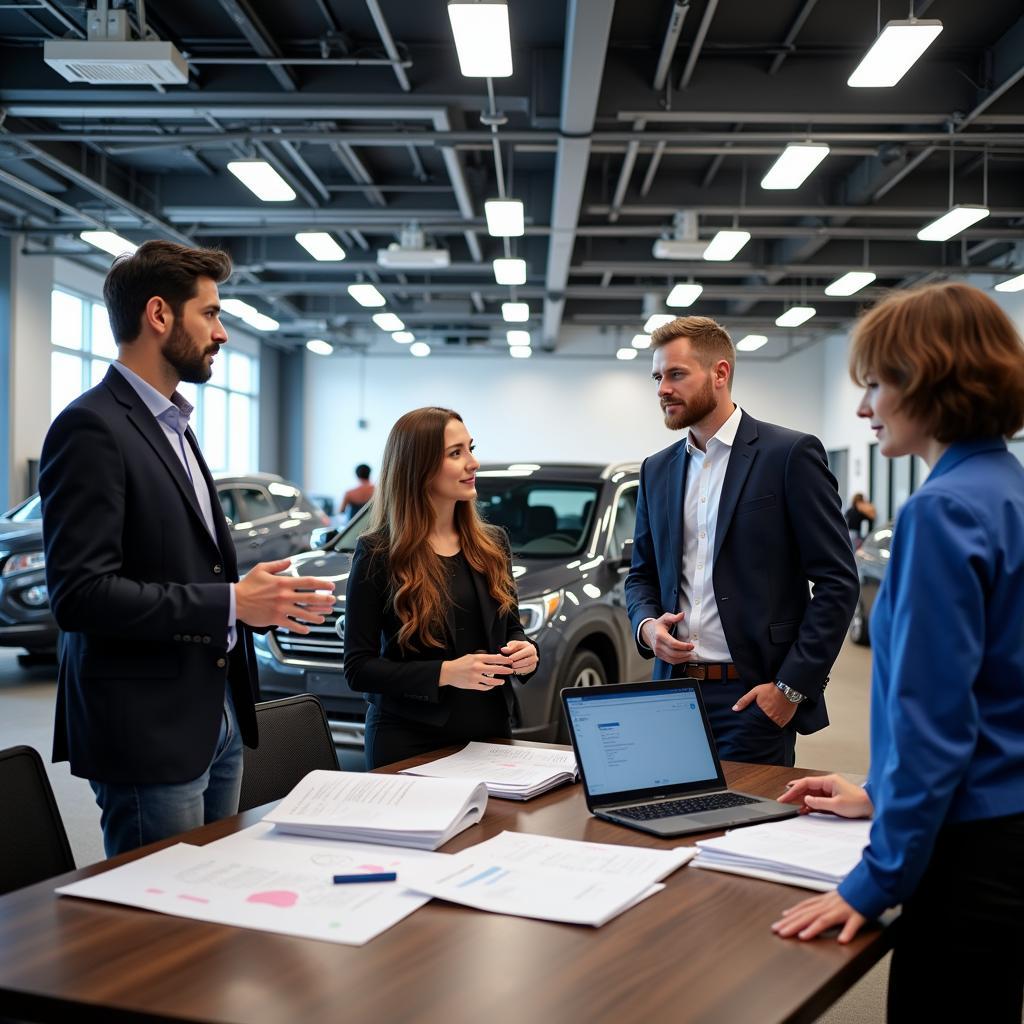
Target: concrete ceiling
618 115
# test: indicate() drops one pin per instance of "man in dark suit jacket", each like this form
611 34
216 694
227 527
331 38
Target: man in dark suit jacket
157 677
733 523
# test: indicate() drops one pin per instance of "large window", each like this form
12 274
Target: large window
226 419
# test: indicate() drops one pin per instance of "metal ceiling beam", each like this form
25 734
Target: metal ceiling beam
28 189
389 43
311 176
794 31
832 210
586 45
348 159
698 43
680 8
628 163
264 150
260 40
73 27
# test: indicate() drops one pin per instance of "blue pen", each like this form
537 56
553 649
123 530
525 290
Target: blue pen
375 876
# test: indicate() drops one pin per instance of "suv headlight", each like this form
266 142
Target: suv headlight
22 563
536 612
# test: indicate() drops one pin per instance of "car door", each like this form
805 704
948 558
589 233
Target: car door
258 533
617 555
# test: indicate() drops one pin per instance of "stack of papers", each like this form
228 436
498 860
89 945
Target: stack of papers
393 810
512 773
256 879
813 851
547 878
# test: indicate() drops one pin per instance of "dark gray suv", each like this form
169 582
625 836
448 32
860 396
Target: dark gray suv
571 529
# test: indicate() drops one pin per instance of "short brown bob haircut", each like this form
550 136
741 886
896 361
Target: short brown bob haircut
954 354
709 340
159 268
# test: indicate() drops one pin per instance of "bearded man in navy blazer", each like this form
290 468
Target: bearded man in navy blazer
157 677
735 522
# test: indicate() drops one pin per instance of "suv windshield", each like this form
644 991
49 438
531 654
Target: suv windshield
27 512
542 517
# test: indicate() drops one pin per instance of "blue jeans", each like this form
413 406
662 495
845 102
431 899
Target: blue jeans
132 816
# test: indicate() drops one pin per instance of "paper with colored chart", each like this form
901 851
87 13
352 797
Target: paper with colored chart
284 887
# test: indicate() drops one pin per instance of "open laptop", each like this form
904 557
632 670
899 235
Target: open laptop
647 760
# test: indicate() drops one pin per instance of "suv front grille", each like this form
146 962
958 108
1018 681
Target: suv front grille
320 644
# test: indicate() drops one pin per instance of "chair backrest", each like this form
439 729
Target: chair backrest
294 739
35 845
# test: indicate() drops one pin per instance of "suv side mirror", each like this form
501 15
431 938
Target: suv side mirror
321 537
625 556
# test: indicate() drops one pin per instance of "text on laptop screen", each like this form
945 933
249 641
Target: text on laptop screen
633 741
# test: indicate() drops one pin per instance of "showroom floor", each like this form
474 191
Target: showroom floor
26 716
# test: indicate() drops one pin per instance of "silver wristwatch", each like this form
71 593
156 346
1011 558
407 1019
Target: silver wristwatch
793 696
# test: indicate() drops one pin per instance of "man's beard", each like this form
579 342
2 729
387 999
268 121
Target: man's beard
187 358
693 411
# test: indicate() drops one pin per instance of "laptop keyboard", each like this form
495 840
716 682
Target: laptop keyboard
693 805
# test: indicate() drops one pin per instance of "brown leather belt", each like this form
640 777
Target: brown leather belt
717 671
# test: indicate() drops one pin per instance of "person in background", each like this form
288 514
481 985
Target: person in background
356 497
943 372
432 627
861 511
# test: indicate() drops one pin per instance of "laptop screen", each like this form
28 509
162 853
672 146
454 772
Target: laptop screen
633 740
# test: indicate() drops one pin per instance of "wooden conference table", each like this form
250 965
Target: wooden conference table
700 951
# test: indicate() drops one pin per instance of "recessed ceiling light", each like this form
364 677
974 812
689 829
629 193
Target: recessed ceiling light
520 351
795 316
388 322
657 320
641 341
1014 284
482 39
952 223
794 165
403 337
850 282
510 271
419 349
262 180
521 338
894 53
751 343
725 245
515 312
108 241
366 295
684 295
320 347
505 217
321 246
626 353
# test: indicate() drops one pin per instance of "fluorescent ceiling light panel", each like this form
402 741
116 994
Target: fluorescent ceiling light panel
850 283
388 322
319 347
751 343
794 165
725 245
403 337
108 241
520 351
510 271
262 180
952 223
366 295
515 312
419 348
795 316
684 295
626 353
321 246
249 314
482 39
657 320
894 53
262 322
641 341
1014 284
505 217
520 338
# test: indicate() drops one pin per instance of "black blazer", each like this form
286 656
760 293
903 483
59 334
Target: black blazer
406 682
780 526
139 588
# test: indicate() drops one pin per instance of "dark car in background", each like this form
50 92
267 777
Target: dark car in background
571 531
269 519
872 559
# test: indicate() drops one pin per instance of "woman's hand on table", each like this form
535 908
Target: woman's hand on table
828 793
811 917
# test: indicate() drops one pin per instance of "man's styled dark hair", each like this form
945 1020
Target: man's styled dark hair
159 268
362 471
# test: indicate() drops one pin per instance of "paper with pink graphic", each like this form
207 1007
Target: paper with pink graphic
256 882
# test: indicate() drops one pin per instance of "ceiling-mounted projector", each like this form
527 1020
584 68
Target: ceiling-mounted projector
116 63
683 243
412 253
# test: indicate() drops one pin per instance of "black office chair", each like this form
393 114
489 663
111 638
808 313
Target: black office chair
294 739
35 845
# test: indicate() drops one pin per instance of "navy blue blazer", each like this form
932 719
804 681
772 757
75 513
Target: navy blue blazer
780 527
138 585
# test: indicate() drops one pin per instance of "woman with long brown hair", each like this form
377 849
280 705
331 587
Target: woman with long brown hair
432 629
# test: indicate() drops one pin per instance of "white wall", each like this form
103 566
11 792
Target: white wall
547 408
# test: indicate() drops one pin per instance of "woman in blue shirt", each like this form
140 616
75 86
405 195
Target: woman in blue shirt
943 372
